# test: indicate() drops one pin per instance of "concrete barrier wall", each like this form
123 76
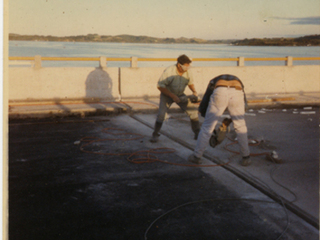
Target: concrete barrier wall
110 83
137 82
63 83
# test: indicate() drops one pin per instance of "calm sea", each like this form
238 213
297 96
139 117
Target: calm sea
89 49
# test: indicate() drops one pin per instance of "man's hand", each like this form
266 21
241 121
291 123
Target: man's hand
176 99
193 98
166 92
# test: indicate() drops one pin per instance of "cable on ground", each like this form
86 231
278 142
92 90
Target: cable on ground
271 171
216 200
138 157
150 156
250 144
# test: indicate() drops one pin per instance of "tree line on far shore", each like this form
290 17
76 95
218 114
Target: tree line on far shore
311 40
118 39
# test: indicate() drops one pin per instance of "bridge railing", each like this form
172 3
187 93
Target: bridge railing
36 60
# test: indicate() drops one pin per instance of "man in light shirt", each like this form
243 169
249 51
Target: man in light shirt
172 85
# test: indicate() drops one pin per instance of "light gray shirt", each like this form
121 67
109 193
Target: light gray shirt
175 83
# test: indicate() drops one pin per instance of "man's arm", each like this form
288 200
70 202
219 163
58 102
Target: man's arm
193 89
166 92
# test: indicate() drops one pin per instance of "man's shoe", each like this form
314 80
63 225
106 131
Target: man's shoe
245 161
194 159
155 138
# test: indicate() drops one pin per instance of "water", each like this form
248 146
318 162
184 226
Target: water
90 49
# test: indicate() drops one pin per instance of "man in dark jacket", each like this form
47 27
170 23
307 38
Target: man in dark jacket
224 91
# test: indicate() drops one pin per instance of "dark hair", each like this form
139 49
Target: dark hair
183 59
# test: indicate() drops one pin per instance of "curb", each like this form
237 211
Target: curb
45 109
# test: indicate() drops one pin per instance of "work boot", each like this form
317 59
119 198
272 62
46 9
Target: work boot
195 126
245 161
155 137
192 158
155 134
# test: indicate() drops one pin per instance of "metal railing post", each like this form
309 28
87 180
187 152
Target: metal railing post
289 61
240 61
102 62
37 61
134 62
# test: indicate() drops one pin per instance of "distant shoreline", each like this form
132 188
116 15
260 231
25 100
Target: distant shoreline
115 39
311 40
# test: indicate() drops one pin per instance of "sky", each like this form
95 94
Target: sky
205 19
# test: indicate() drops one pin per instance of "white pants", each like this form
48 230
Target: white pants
221 99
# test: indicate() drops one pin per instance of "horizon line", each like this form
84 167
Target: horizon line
225 39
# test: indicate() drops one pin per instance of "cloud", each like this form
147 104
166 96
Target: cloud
301 21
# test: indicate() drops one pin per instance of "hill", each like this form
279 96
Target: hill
311 40
118 38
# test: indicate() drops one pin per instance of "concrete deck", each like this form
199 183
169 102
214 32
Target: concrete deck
73 178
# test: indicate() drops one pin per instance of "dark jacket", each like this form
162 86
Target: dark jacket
206 98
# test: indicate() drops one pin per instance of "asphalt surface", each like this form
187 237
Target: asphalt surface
100 178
